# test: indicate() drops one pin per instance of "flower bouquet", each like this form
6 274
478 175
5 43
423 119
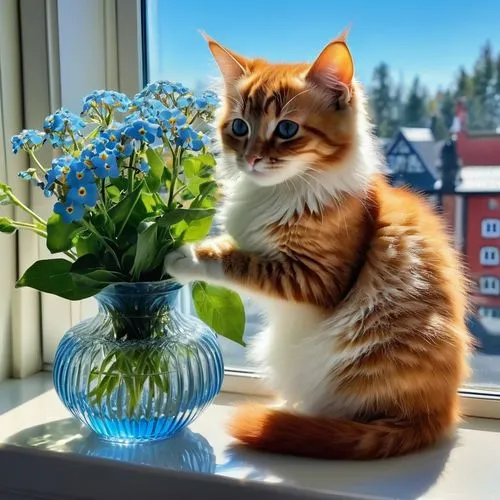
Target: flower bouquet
133 179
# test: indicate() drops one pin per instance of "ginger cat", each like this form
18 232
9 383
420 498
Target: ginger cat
365 297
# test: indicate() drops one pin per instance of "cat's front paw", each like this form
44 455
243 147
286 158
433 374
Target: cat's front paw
183 265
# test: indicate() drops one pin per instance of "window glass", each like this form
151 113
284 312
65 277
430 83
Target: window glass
422 73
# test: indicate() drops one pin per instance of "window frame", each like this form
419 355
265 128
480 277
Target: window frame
484 258
490 234
484 284
125 59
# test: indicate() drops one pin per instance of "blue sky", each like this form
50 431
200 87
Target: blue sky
431 38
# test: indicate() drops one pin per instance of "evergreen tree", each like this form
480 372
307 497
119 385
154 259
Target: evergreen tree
381 101
416 114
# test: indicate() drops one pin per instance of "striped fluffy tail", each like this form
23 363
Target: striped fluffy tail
278 431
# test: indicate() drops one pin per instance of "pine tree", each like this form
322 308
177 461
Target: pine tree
381 101
416 114
483 103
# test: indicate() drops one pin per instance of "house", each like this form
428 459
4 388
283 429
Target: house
414 158
469 198
476 204
475 148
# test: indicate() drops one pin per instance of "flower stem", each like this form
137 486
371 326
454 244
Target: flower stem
40 232
21 205
94 231
38 164
194 118
72 135
175 160
131 173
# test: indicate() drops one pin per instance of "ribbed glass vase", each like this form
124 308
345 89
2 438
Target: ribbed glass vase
140 370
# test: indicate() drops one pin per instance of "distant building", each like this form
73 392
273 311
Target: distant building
414 159
463 173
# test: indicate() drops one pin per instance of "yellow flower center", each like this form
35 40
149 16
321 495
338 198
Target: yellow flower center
82 191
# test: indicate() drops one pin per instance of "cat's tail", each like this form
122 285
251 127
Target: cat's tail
278 431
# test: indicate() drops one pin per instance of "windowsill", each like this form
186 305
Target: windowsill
59 459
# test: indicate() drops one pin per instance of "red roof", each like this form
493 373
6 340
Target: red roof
478 148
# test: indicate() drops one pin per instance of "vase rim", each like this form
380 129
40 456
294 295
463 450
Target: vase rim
146 287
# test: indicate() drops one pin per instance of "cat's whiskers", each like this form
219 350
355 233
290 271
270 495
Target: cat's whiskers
293 98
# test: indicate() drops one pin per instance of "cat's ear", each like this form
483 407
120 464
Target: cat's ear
231 65
333 65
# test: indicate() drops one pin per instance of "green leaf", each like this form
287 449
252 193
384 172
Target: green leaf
206 197
192 167
4 198
220 309
207 159
156 168
121 212
193 231
87 243
59 234
86 263
114 193
96 279
6 225
145 254
5 188
55 276
185 214
120 182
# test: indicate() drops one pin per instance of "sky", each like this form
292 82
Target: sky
429 38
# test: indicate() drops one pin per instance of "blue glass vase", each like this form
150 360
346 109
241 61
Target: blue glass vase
140 370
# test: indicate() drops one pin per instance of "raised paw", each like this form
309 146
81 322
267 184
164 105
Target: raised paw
183 265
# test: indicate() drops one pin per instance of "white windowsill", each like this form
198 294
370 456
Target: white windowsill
44 453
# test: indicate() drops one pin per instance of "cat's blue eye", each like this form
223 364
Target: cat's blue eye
286 129
239 127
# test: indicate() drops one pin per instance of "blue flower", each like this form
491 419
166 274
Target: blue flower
190 139
28 140
87 155
144 166
69 211
102 101
172 117
123 150
179 88
106 165
83 195
142 131
211 98
80 175
111 137
61 167
27 175
62 120
185 101
60 125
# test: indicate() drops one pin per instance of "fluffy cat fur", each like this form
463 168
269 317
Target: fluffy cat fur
366 343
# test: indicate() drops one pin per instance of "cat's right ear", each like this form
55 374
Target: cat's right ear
231 65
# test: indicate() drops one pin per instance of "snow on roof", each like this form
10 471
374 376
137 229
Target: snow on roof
422 134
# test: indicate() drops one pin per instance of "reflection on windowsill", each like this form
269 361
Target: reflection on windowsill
187 452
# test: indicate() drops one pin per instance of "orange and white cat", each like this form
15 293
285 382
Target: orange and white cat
365 297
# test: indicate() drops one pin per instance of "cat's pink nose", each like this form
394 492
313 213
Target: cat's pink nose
253 159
